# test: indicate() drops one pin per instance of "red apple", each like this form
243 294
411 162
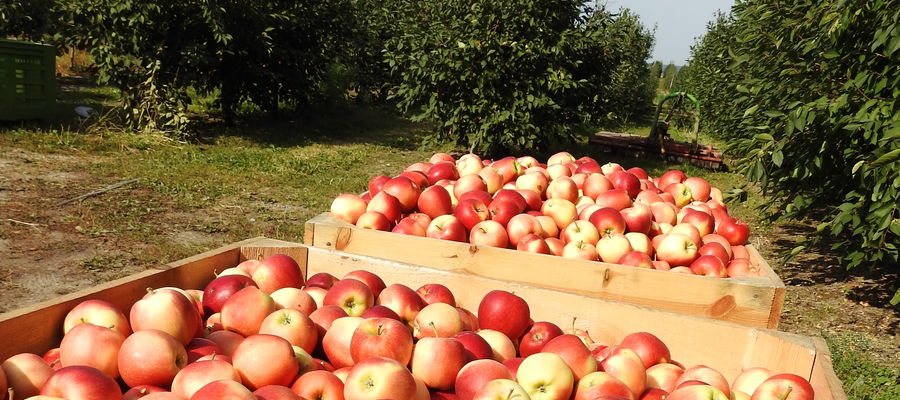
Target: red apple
489 233
381 337
319 385
81 382
537 336
504 312
626 181
708 266
693 392
223 389
295 299
671 176
533 244
435 201
150 357
379 378
734 230
677 249
226 340
374 220
784 387
199 347
447 227
608 221
477 348
706 375
376 183
322 279
615 198
716 250
636 259
437 361
474 375
166 310
503 209
405 190
472 211
699 188
199 374
436 293
601 385
522 225
409 226
220 289
664 376
387 205
92 345
595 184
624 364
374 282
245 310
97 312
403 301
293 326
648 347
563 188
562 211
265 360
700 220
25 374
348 207
352 295
574 352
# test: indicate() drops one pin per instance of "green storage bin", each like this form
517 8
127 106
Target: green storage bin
27 80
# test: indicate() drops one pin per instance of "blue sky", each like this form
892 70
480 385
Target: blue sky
677 23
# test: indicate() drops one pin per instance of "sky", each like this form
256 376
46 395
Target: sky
677 23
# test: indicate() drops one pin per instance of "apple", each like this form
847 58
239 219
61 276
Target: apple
278 271
437 320
563 188
321 279
625 181
348 207
374 220
716 238
199 374
447 227
409 226
742 267
489 233
615 198
681 194
471 212
734 230
226 340
581 231
293 326
492 178
562 157
81 382
337 339
134 393
321 385
438 360
695 392
387 205
537 336
469 320
509 169
580 251
522 225
503 209
648 347
640 242
784 387
223 389
714 249
533 244
352 295
405 190
166 310
708 266
418 177
295 299
534 181
558 170
504 312
574 352
403 301
482 195
317 294
435 201
502 347
556 246
150 357
601 385
624 364
671 176
608 221
548 226
442 170
677 250
706 375
700 220
436 293
468 164
636 259
262 360
738 252
381 337
611 248
562 211
376 183
97 312
374 282
664 376
545 376
379 311
700 188
533 201
245 310
92 345
220 289
275 392
596 184
379 378
25 374
500 389
664 212
750 379
476 374
648 197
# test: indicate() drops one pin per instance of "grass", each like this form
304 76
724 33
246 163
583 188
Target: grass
264 177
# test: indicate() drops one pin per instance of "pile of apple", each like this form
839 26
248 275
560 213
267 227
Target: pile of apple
260 331
571 208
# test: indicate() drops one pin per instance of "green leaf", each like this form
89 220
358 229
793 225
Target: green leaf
751 110
886 159
777 158
896 299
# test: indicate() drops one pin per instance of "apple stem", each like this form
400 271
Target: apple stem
11 393
434 328
212 356
573 324
149 290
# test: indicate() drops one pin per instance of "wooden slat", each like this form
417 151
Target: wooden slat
753 301
824 381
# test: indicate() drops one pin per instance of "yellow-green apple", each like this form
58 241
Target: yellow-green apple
476 374
556 246
608 221
245 310
321 279
500 389
376 183
92 345
25 374
639 242
671 176
502 347
223 389
437 320
648 347
167 310
562 211
574 352
545 376
381 337
373 220
681 194
435 201
625 181
492 178
97 312
522 225
437 361
784 387
615 198
472 211
379 378
489 233
558 170
636 259
612 247
750 379
447 227
337 339
563 188
504 312
734 230
226 340
295 299
624 364
151 357
317 294
677 249
403 301
533 244
664 376
548 226
698 219
477 348
348 207
596 384
581 231
199 374
706 375
637 218
647 197
708 266
319 385
579 250
220 289
664 212
199 347
714 249
352 295
595 184
538 335
409 226
374 282
700 188
696 392
534 181
468 164
291 325
436 293
263 360
81 382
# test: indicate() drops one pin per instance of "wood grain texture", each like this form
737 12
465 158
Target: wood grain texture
752 301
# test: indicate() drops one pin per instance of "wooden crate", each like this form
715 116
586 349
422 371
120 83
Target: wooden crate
726 346
753 301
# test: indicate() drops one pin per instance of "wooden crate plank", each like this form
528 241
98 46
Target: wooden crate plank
747 301
824 381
